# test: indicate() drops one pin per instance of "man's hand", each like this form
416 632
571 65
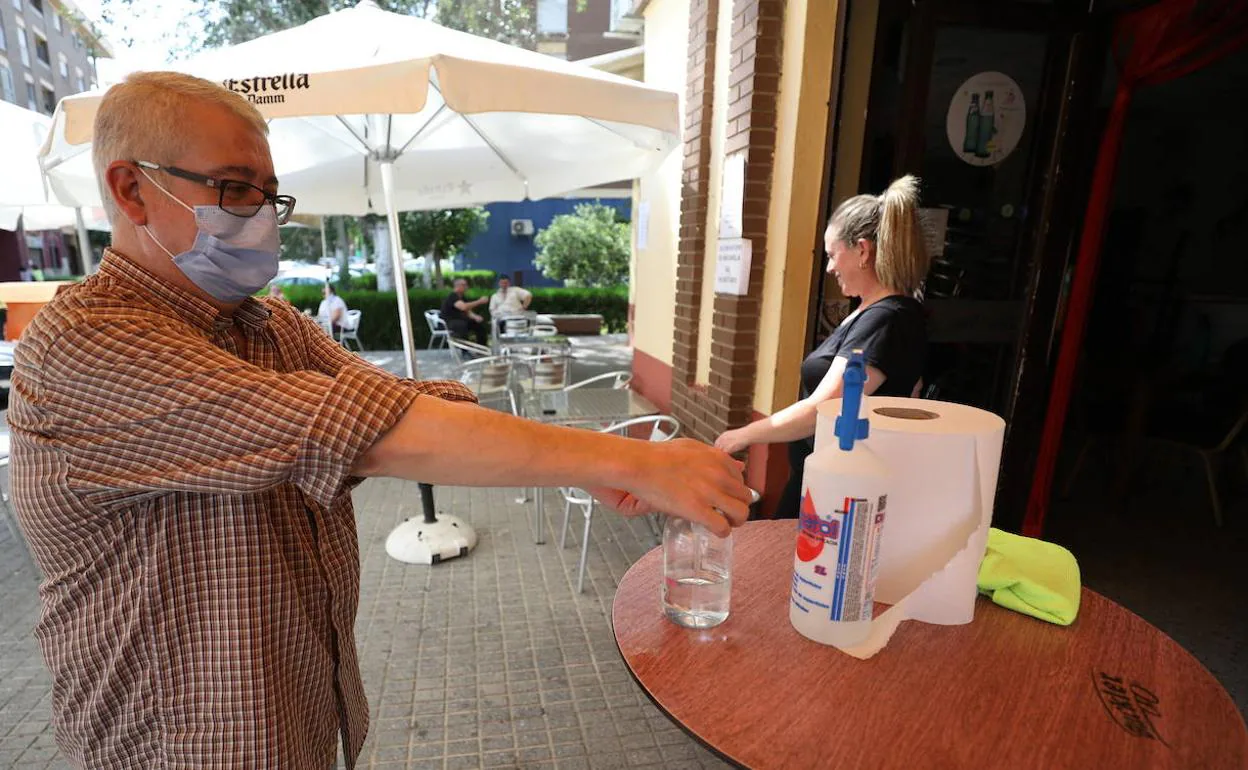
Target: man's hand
475 317
732 441
479 302
687 479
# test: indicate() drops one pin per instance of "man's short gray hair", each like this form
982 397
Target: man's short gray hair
141 117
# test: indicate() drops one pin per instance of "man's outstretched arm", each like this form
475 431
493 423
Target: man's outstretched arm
681 478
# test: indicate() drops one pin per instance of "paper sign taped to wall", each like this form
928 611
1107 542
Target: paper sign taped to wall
732 196
935 224
732 266
643 225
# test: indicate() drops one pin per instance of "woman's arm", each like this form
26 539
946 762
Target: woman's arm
796 421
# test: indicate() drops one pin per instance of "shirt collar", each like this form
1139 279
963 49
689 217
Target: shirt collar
193 309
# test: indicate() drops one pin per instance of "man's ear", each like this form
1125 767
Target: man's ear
123 184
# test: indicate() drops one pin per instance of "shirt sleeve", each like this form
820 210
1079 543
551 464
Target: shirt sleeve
143 408
886 341
495 300
327 356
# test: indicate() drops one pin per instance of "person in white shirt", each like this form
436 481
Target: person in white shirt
509 300
333 310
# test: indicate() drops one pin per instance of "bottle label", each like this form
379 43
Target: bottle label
838 557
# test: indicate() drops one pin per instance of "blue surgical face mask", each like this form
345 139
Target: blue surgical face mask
232 257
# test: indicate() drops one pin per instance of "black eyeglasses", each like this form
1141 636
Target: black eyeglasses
236 197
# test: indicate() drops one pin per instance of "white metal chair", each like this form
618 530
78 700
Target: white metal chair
492 379
618 380
438 330
351 330
549 369
464 351
544 330
516 326
662 428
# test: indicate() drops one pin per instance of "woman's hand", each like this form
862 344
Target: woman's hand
732 441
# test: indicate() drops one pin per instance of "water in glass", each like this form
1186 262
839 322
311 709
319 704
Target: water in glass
697 575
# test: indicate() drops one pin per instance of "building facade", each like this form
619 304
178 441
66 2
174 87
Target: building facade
507 245
583 29
48 50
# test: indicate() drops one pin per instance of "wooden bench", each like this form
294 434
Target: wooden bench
576 324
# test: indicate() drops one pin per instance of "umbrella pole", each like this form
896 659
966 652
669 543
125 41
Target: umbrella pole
396 257
84 243
324 246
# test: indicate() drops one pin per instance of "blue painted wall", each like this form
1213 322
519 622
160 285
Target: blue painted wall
496 249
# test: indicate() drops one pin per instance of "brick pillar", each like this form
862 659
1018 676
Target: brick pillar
688 406
754 84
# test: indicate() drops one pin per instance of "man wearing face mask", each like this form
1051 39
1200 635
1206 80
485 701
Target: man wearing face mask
183 455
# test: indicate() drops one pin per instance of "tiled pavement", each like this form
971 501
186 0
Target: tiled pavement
488 661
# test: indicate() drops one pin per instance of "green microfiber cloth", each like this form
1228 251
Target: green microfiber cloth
1030 576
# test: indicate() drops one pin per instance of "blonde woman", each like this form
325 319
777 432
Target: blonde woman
875 251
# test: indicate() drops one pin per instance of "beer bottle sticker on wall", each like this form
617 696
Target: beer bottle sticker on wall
986 118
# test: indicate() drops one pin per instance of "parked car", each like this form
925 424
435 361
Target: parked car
6 371
300 274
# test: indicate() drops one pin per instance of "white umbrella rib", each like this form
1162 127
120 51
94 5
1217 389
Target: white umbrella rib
481 134
421 130
368 150
493 148
625 137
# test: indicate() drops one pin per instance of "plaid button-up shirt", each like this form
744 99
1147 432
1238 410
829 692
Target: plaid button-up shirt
186 492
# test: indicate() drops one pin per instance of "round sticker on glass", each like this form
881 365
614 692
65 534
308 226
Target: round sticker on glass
986 118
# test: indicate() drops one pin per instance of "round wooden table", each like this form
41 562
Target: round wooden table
1005 691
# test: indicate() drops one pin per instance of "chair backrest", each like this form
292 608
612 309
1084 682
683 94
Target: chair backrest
616 380
437 323
548 370
662 427
491 374
352 321
465 351
516 325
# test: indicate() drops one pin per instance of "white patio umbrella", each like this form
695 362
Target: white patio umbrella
376 112
22 194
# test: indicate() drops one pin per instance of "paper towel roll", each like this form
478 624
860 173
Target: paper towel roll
945 458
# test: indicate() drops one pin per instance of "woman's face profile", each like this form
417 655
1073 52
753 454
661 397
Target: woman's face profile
845 263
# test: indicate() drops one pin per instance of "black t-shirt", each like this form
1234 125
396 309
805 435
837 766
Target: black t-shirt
449 311
892 334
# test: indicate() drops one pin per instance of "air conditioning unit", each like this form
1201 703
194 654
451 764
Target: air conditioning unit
520 227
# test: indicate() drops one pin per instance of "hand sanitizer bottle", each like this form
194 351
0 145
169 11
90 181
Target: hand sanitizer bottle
844 496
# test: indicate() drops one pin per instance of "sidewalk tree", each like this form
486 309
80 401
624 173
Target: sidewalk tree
439 234
229 22
589 247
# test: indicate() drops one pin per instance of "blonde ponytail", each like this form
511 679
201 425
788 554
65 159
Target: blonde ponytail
900 254
891 222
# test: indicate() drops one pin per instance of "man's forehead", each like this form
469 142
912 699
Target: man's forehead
225 145
244 172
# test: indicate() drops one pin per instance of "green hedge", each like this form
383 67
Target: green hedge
477 279
379 327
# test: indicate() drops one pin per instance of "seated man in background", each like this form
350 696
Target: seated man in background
508 300
333 310
457 312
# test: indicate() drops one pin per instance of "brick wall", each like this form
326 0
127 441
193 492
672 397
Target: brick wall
754 81
688 405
